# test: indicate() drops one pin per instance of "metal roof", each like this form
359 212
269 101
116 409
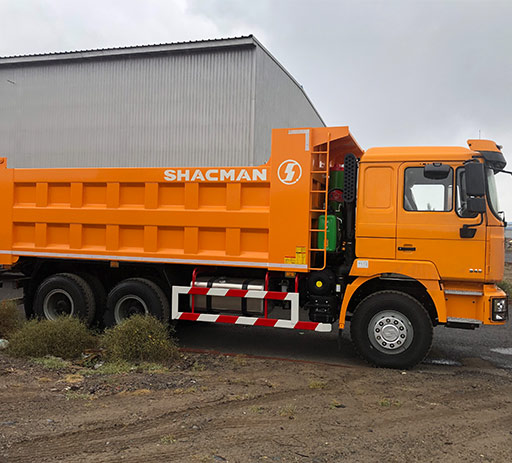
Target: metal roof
193 45
246 41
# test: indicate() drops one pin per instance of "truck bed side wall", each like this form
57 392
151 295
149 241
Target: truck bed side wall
213 216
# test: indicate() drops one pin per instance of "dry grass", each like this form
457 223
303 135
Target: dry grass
139 339
287 411
65 337
317 384
11 319
52 363
387 402
168 439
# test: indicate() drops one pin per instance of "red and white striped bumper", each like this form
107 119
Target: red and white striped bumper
293 323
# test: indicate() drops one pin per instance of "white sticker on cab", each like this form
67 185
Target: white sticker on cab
362 264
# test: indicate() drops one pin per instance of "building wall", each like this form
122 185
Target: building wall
198 107
182 109
280 103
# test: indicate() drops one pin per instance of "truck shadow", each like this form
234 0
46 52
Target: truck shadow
266 342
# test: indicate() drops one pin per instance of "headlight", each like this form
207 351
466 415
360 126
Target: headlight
499 310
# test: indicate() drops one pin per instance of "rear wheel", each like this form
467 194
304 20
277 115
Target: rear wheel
391 329
136 296
65 294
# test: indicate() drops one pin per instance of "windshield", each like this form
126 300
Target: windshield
492 192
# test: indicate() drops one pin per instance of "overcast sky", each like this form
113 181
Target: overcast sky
401 72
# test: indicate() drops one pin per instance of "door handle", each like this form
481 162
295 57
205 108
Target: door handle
406 248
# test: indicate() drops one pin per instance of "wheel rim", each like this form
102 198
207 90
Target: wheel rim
58 303
129 305
390 332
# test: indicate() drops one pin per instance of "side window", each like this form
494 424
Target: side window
461 199
426 194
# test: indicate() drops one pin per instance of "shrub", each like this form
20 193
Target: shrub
11 319
65 337
139 338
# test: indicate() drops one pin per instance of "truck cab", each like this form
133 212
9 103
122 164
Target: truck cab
428 225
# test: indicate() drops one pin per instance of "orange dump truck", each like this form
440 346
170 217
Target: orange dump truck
396 240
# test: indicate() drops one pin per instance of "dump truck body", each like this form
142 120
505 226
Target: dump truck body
237 216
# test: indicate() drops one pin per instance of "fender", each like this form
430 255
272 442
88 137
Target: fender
424 273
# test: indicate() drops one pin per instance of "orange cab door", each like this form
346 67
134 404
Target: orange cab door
430 214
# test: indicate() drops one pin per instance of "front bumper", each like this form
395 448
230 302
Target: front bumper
476 305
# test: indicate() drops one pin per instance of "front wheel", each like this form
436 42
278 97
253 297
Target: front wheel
391 329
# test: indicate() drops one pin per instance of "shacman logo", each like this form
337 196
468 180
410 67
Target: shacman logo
289 172
216 175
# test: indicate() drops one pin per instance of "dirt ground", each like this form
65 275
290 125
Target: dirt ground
216 408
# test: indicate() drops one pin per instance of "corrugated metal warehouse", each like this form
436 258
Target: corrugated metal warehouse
206 103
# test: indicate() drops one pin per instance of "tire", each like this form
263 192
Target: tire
391 329
100 295
65 294
136 296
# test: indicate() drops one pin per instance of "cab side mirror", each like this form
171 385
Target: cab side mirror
476 205
475 180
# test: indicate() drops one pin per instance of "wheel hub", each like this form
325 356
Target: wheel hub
58 302
390 331
129 305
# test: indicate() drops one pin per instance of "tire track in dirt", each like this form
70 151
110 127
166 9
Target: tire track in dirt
282 446
141 434
46 446
310 412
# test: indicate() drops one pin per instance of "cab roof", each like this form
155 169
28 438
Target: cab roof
417 153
